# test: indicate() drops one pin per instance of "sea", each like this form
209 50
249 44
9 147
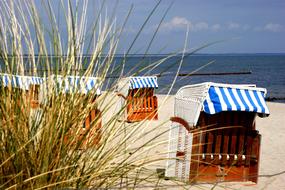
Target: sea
263 70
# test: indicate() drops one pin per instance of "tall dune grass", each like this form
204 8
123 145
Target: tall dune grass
38 147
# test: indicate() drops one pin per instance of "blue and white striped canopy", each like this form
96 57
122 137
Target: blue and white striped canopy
224 98
70 84
17 81
143 82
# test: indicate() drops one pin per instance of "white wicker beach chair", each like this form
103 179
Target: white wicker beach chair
213 137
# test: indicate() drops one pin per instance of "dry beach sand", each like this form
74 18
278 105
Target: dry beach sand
272 158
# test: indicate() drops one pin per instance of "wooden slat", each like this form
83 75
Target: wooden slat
152 103
98 128
240 150
87 123
209 147
233 147
93 114
155 106
202 144
145 104
226 140
141 106
148 103
33 96
254 165
217 144
233 138
203 140
249 141
134 105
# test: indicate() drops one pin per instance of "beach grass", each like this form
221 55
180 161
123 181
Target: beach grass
44 148
40 148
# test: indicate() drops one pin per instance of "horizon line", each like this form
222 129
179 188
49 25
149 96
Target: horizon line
159 54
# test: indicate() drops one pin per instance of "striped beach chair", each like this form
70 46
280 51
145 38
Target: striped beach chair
30 85
213 135
138 95
80 86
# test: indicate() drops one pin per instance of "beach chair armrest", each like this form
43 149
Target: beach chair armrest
121 95
182 122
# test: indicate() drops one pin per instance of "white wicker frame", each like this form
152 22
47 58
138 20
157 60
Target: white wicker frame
188 105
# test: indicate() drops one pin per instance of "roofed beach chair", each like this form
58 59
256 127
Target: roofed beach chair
213 135
29 85
138 95
80 86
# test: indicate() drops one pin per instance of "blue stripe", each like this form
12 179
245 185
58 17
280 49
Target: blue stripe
77 84
206 107
234 98
250 100
13 82
92 83
141 80
153 82
134 83
242 100
147 82
18 81
137 84
143 84
215 99
6 80
258 100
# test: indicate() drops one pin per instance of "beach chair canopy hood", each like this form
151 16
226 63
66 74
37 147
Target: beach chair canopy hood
18 81
213 98
143 82
125 84
75 84
235 99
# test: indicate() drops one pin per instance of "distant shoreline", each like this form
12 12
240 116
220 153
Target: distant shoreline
274 99
167 54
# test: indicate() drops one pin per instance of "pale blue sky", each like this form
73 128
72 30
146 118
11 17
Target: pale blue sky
247 26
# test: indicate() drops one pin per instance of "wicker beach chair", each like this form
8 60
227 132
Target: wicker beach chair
79 86
213 135
137 94
28 85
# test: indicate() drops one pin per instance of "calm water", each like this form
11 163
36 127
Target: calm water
267 71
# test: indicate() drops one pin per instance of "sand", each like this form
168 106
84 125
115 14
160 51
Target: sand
272 158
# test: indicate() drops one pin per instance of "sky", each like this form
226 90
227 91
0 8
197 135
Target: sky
240 26
233 26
